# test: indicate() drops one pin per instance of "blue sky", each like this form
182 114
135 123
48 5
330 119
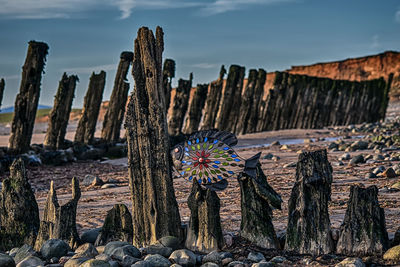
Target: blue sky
200 35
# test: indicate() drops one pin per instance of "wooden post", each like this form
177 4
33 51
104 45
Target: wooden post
116 108
229 105
257 198
195 109
154 208
309 230
205 231
363 232
212 102
168 74
246 103
19 212
91 107
59 115
59 222
27 100
256 102
2 86
180 106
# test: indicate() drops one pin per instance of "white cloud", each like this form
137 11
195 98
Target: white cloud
45 9
397 16
86 70
222 6
204 65
375 41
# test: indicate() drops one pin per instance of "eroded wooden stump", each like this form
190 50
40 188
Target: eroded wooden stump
91 107
155 211
309 229
116 107
2 86
168 74
117 226
59 222
196 105
27 100
257 200
363 231
205 232
59 114
19 212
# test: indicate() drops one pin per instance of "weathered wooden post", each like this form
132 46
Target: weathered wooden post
195 109
116 108
91 107
59 115
309 230
117 226
256 102
212 102
363 231
229 105
168 74
19 212
180 106
27 100
2 86
257 198
205 231
154 208
59 222
246 103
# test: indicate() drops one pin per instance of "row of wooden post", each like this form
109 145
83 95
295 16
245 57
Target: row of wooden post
27 100
295 101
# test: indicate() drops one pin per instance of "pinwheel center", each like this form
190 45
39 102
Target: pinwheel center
201 160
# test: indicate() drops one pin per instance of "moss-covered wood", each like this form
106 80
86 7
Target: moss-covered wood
363 231
59 114
91 107
59 221
119 96
2 86
154 208
27 100
258 199
117 226
309 230
179 106
212 102
168 74
204 233
229 105
196 105
19 212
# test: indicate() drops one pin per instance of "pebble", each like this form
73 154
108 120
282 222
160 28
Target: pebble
157 260
345 156
290 165
389 173
392 254
183 257
255 256
86 250
90 236
356 160
6 261
31 261
213 256
278 259
105 186
351 262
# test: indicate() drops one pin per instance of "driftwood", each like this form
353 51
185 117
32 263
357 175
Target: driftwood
117 226
212 102
179 106
257 200
91 107
59 115
168 74
363 231
308 230
19 212
205 231
59 222
229 105
116 107
196 105
155 211
27 100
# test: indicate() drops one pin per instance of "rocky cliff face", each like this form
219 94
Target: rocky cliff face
358 69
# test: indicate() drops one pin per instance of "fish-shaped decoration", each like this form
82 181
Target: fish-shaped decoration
208 157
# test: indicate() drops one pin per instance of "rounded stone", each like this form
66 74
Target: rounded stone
157 260
6 261
213 256
183 257
128 250
86 250
392 254
54 248
256 256
95 263
31 261
109 248
75 262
